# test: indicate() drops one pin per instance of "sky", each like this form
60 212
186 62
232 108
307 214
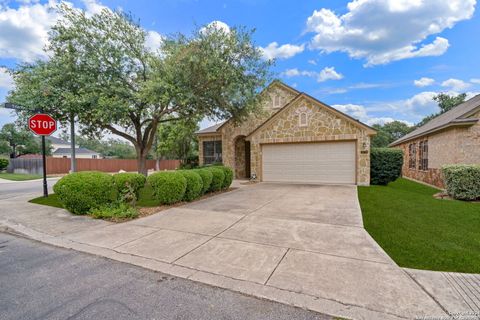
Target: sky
377 60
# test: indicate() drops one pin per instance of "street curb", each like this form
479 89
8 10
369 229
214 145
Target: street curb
300 300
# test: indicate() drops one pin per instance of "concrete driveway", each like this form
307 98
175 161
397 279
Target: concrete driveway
296 244
304 239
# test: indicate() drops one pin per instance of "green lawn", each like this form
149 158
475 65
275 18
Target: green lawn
145 200
419 231
19 176
52 201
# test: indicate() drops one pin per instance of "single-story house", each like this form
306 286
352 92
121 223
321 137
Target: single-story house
62 149
295 138
80 153
451 138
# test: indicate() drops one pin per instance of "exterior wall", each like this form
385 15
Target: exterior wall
231 131
322 125
458 145
205 137
240 169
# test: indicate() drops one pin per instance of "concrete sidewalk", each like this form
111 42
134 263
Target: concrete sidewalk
299 245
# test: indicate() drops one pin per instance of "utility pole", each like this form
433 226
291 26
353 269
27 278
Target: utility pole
73 160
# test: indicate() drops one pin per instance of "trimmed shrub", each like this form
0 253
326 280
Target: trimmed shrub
128 182
3 164
168 186
80 192
218 176
207 177
228 176
462 182
385 165
194 184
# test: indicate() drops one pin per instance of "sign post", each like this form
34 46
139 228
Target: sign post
43 125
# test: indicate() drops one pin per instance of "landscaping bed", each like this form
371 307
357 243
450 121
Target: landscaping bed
419 231
127 196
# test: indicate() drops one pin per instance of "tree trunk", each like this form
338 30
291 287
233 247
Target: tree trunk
142 162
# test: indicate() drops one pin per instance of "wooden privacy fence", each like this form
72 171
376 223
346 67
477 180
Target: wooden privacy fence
62 165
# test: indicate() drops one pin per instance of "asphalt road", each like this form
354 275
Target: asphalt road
38 281
13 189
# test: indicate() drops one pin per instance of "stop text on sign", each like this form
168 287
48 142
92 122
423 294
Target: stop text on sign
42 124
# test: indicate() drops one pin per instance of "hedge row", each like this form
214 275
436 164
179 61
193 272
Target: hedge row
187 185
3 164
385 165
82 192
462 182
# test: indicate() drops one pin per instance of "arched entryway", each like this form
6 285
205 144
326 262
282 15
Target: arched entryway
242 158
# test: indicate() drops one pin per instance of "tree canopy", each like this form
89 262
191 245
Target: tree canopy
445 102
177 140
101 70
389 132
15 141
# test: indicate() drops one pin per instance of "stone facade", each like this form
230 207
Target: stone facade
323 124
450 146
280 122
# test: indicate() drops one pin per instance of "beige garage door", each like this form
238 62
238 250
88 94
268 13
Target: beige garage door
326 162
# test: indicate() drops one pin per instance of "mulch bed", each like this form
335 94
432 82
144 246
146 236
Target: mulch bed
147 211
444 196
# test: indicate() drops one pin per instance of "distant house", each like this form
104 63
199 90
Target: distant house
62 149
451 138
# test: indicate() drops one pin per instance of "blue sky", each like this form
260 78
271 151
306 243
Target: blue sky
378 60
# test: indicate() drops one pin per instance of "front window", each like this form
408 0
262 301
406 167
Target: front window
212 152
423 155
412 155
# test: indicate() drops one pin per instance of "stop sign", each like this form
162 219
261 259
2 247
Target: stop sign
42 124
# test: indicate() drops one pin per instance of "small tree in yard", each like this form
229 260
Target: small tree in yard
123 87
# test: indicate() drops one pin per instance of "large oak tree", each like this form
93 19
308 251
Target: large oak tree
115 83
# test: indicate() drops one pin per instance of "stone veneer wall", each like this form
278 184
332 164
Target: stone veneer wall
450 146
201 139
323 125
231 131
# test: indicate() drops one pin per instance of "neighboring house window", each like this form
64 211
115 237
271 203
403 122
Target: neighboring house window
423 155
212 152
94 156
276 101
412 155
303 119
64 156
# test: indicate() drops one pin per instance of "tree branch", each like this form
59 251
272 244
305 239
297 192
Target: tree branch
121 134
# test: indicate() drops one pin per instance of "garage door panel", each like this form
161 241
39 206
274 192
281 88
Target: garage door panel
329 162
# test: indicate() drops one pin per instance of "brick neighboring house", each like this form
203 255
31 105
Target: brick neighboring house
296 138
450 138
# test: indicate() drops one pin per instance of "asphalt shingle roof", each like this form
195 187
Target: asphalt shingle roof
453 116
77 151
211 129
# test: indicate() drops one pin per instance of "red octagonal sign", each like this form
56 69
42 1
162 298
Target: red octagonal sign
42 124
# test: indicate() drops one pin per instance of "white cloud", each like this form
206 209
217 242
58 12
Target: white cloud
217 25
354 110
476 81
455 84
382 31
360 112
423 82
24 30
328 73
274 51
312 62
6 81
153 40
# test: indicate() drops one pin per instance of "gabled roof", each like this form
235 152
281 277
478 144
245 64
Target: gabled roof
77 151
370 130
457 116
274 82
211 129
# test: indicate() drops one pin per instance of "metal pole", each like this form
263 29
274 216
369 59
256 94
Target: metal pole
73 161
44 159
